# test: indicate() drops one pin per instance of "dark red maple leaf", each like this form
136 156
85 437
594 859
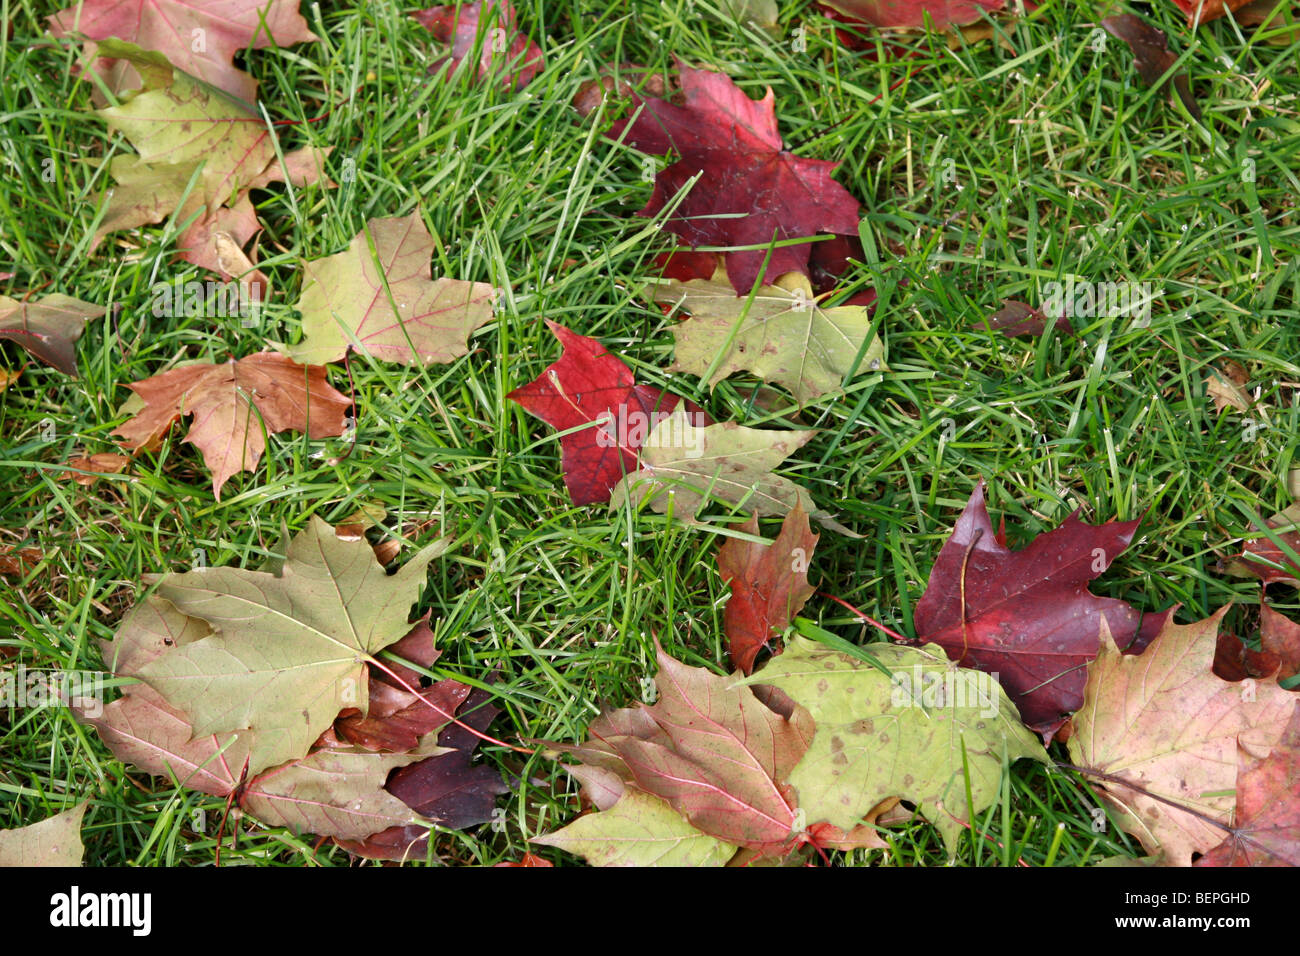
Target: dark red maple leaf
1027 615
448 788
769 584
586 385
1266 826
397 719
912 14
1279 640
1235 661
1265 559
502 43
752 189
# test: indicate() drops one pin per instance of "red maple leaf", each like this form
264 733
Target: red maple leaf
914 14
752 189
448 788
587 385
502 43
769 584
1026 616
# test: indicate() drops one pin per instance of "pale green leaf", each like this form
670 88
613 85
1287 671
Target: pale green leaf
288 651
899 736
639 830
780 333
382 300
682 466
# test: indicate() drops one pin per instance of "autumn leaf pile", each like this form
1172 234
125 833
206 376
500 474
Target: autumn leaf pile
302 692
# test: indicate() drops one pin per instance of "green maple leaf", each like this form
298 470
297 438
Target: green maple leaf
288 651
780 333
185 130
384 302
683 466
912 735
639 830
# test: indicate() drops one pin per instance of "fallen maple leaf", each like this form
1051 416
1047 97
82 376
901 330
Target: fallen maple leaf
1266 826
141 728
712 750
47 328
915 733
54 841
200 38
1026 616
1276 26
18 562
752 190
779 332
398 718
1203 11
288 651
1159 732
449 789
100 463
1151 56
183 130
639 830
590 385
769 585
1017 318
1267 560
684 466
235 405
383 302
333 792
1226 387
1279 640
492 27
527 860
915 14
1235 661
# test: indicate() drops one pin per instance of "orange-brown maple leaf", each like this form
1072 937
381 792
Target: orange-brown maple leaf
235 405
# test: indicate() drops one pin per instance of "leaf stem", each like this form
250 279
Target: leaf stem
1115 778
459 723
866 618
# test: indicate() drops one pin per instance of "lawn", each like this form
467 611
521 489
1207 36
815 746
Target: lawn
985 172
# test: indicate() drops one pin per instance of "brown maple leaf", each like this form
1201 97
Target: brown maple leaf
235 404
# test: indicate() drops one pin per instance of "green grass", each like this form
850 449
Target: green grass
1063 163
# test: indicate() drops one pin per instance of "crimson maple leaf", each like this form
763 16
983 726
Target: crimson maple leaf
502 43
587 385
1026 616
751 190
913 14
